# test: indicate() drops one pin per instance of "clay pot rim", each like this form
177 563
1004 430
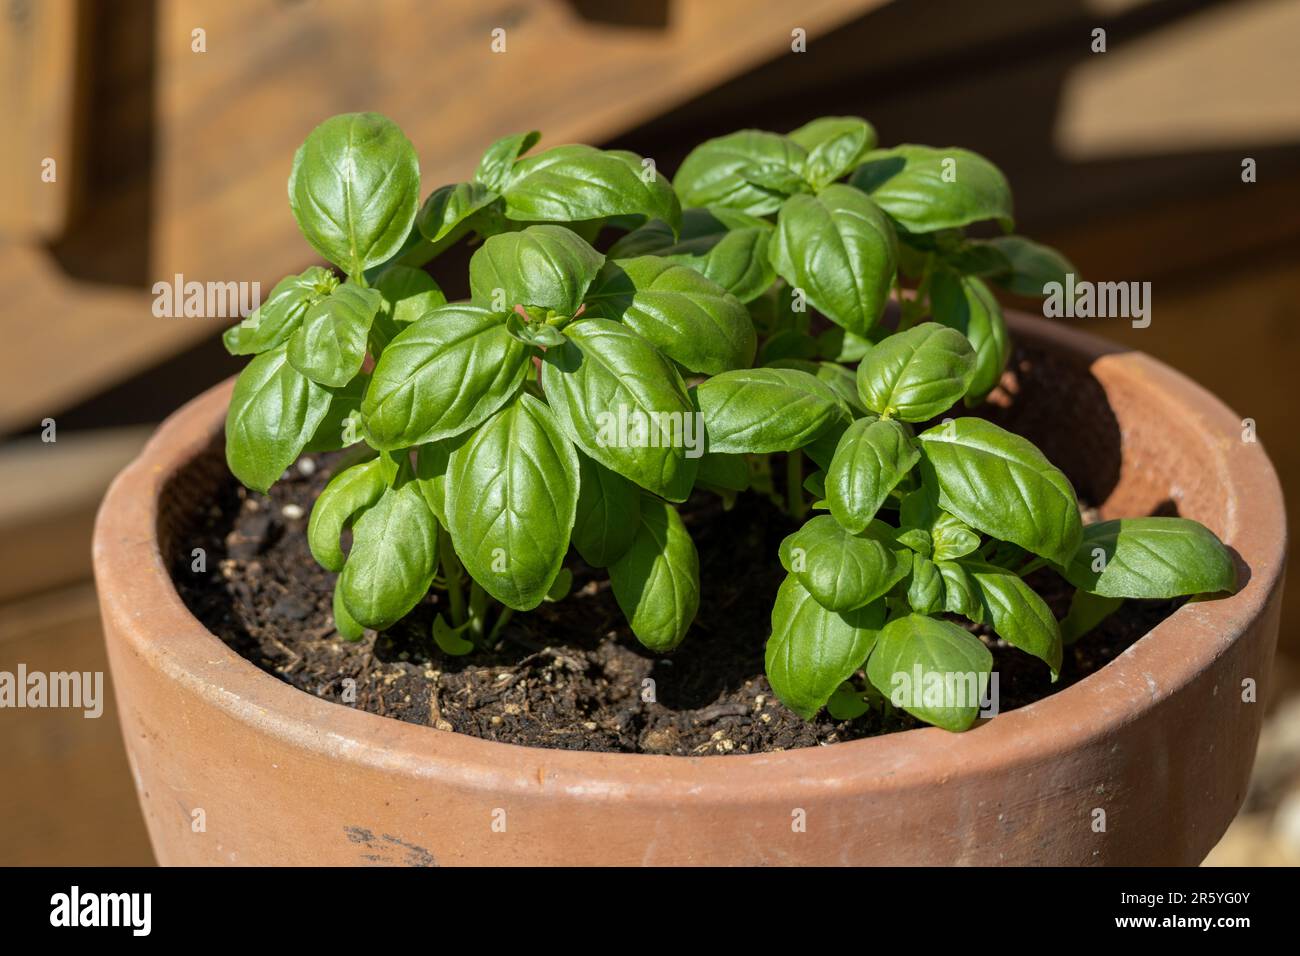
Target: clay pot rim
136 592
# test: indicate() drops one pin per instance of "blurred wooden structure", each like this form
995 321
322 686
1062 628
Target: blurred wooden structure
52 490
185 151
68 799
170 160
173 160
40 96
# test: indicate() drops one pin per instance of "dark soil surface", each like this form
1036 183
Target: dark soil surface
568 675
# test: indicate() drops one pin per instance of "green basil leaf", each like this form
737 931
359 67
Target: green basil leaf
349 628
496 167
925 591
822 448
775 178
1086 612
689 318
920 508
711 175
408 293
764 410
589 230
653 238
802 364
839 248
838 345
945 536
703 228
952 537
739 263
272 322
789 349
967 305
512 494
1000 484
933 669
1005 555
917 374
841 570
917 540
608 516
545 266
657 580
329 346
624 404
925 189
442 376
393 557
571 183
452 640
396 465
561 587
914 253
971 257
533 331
341 425
812 650
843 382
448 212
1032 265
870 460
724 245
1150 558
354 189
847 703
431 462
1017 614
961 595
724 472
780 310
350 491
273 413
815 484
835 144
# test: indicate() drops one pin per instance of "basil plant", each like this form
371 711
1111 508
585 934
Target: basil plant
485 434
922 525
577 398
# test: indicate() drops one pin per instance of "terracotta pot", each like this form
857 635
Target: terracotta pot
1160 739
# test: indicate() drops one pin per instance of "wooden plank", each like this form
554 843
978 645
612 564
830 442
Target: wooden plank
907 46
228 125
1157 239
1221 78
52 491
71 339
68 798
996 86
38 99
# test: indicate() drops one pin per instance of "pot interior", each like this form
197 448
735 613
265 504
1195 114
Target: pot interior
1130 452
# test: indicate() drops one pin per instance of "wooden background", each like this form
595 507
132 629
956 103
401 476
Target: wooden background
174 161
